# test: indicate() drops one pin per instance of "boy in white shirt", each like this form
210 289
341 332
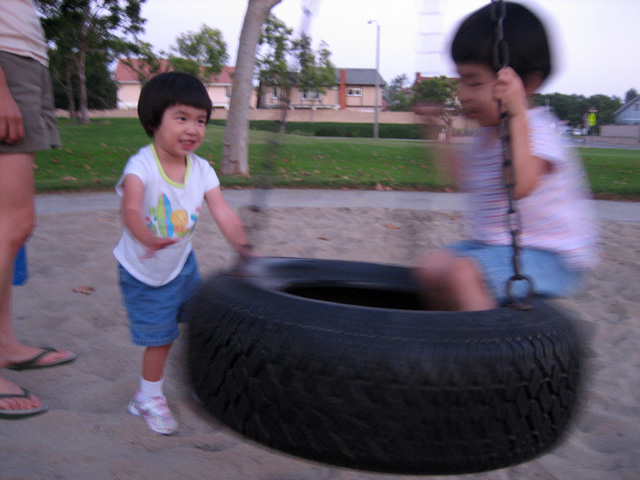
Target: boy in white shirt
558 235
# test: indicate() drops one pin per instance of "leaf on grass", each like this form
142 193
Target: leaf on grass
84 289
69 178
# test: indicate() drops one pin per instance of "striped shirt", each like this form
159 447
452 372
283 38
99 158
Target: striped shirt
557 216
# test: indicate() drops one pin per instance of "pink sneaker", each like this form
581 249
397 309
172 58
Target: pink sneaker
156 413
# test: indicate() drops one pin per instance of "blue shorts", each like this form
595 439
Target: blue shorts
551 276
154 312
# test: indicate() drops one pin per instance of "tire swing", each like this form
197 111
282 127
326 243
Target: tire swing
334 361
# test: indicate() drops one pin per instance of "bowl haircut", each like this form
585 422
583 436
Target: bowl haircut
166 90
524 33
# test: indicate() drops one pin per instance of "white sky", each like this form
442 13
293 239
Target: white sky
596 42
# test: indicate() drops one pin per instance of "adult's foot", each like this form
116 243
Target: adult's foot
16 402
22 357
45 357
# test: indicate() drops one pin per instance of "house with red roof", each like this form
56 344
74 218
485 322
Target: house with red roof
129 72
354 88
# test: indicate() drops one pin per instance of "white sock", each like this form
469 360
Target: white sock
150 389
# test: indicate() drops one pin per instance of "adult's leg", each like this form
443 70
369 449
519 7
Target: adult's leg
17 219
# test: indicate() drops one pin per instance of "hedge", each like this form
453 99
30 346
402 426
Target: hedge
349 130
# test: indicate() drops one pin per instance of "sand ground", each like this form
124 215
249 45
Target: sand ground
88 434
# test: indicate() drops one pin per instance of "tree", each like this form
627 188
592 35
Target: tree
201 54
147 62
398 95
315 71
630 95
77 27
606 107
570 108
101 88
235 158
574 108
437 96
285 63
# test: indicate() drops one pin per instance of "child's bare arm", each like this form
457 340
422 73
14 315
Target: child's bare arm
510 91
133 191
229 223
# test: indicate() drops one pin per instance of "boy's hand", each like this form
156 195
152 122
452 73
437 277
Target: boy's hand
155 244
430 113
510 91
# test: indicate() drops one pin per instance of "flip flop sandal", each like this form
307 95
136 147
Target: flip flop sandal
18 414
33 364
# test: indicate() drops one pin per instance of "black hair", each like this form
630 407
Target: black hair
166 90
524 33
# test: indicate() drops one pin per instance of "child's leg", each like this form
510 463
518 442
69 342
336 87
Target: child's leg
149 402
154 361
450 282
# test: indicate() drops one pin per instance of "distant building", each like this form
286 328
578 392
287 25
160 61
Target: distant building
129 86
354 88
629 113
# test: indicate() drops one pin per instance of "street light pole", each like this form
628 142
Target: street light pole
377 100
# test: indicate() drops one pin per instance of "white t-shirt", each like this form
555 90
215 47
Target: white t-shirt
557 216
170 211
21 32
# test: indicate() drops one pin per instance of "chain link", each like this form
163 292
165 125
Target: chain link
514 220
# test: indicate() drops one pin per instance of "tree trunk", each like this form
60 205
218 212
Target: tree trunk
83 108
83 103
68 88
235 160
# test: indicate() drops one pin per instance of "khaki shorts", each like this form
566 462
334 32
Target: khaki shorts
30 86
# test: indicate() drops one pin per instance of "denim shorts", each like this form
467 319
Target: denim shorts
30 86
550 275
154 312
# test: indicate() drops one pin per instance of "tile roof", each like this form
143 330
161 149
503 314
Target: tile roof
360 76
125 74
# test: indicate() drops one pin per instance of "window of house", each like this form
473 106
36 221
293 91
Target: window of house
275 93
311 95
354 92
227 91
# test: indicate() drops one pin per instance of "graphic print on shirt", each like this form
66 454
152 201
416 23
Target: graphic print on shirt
165 222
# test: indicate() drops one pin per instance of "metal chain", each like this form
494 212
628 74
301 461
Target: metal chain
514 220
264 181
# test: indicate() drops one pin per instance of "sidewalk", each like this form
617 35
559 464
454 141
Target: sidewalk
47 204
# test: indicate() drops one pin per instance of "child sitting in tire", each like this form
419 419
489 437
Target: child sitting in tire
558 235
162 189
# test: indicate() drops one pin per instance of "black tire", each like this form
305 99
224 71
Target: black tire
332 361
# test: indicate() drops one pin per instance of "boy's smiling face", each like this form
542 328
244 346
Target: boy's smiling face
476 93
181 132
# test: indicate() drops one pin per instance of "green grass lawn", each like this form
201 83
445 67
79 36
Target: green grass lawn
93 156
613 173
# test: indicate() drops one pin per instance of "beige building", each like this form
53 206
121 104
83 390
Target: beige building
354 89
218 86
